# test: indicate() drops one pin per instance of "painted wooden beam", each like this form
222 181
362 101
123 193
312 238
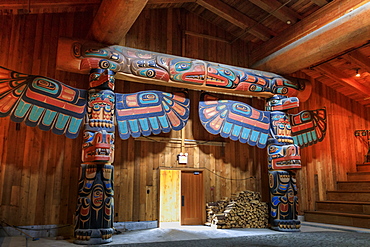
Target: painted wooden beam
114 19
351 30
329 13
237 18
147 67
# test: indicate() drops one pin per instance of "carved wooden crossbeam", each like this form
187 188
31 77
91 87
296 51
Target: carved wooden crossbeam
142 66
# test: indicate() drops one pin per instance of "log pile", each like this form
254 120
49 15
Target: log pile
243 210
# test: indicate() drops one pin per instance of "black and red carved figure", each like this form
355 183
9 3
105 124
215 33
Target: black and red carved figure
53 105
284 135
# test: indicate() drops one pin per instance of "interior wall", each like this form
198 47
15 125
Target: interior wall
39 170
327 162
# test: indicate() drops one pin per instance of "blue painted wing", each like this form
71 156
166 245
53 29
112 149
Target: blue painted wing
150 112
235 120
308 127
42 102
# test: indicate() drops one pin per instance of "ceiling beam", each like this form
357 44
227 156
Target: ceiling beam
319 2
170 1
342 78
278 10
47 6
351 30
316 20
359 60
237 18
114 19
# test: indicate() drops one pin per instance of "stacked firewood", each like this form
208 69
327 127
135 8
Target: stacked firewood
244 209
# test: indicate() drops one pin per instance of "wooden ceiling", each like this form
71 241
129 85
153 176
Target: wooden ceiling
327 40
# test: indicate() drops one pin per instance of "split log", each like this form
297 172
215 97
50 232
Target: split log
244 209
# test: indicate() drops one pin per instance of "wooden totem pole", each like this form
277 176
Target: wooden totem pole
284 134
52 105
94 214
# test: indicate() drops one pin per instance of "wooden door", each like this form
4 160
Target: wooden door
192 198
169 200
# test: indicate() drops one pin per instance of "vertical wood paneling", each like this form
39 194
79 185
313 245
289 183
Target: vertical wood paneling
329 161
39 170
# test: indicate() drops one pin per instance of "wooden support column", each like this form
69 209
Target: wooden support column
114 19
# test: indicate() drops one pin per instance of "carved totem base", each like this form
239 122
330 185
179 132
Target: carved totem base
283 201
94 214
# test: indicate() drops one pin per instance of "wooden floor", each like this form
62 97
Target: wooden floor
349 205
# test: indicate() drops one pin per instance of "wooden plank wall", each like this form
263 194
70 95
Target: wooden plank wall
329 161
39 170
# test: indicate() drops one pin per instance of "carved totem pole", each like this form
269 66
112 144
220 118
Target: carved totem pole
94 214
52 105
282 133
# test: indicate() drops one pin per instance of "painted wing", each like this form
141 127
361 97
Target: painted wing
235 120
150 112
308 127
42 102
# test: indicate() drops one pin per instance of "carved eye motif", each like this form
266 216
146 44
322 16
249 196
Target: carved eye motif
182 66
88 136
272 149
150 73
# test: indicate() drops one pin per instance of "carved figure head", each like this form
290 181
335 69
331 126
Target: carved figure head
281 103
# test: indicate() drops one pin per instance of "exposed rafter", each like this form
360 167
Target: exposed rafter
170 1
278 10
339 76
35 7
360 60
237 18
320 2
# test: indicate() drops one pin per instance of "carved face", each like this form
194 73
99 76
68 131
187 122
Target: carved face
286 87
101 109
149 68
187 70
281 103
281 129
98 146
103 79
221 77
97 196
284 157
252 80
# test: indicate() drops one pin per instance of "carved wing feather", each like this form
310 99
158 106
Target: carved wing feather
150 112
308 127
234 120
42 102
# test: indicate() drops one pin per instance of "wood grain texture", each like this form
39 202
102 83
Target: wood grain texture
39 170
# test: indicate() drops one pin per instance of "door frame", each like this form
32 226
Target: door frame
176 191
